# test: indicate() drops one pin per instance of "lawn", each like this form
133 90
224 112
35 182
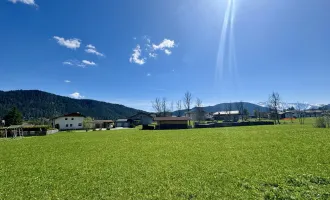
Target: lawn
264 162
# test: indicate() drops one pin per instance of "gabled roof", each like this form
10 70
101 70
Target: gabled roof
123 120
103 121
141 113
234 112
172 118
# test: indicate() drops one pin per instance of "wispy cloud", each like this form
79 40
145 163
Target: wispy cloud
92 49
77 63
168 52
90 46
148 74
67 81
28 2
136 56
152 55
67 63
69 43
76 95
86 62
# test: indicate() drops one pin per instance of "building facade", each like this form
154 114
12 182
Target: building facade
72 121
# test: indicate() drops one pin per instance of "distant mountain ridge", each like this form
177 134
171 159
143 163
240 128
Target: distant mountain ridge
222 107
37 104
302 106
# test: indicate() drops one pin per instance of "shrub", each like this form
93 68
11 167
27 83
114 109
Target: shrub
320 122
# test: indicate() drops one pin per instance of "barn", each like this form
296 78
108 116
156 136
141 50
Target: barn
172 122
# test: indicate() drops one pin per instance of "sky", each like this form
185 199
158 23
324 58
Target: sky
131 52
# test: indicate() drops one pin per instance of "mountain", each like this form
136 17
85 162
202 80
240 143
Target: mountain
37 104
222 107
302 106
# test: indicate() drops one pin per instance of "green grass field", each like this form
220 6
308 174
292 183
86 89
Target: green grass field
265 162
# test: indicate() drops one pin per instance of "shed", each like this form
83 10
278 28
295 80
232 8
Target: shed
103 123
125 123
172 122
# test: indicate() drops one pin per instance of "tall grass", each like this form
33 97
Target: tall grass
269 162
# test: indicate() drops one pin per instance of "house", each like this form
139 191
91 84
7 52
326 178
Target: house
196 116
227 115
142 118
103 123
313 113
72 121
125 123
172 122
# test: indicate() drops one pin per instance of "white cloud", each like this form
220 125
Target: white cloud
90 46
166 44
67 81
28 2
76 95
148 74
92 49
77 63
69 43
135 57
168 52
67 63
86 62
152 55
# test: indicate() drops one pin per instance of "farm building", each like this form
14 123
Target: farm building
125 123
172 122
72 121
142 118
103 123
196 116
227 115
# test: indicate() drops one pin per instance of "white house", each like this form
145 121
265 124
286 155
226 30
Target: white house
72 121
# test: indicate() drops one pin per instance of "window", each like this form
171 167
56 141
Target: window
70 125
67 125
79 124
66 118
72 118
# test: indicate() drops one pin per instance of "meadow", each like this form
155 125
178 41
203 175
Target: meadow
287 161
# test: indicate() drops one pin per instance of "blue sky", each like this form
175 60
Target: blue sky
131 52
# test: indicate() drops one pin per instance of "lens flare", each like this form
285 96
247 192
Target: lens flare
227 43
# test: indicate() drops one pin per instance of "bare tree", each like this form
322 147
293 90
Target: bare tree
300 113
199 109
157 106
274 104
240 108
259 113
179 108
228 109
164 106
187 101
172 107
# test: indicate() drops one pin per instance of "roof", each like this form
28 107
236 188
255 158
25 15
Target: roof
121 120
141 113
103 121
172 118
76 114
234 112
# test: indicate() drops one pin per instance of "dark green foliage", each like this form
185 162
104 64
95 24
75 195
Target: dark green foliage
13 117
36 104
320 122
